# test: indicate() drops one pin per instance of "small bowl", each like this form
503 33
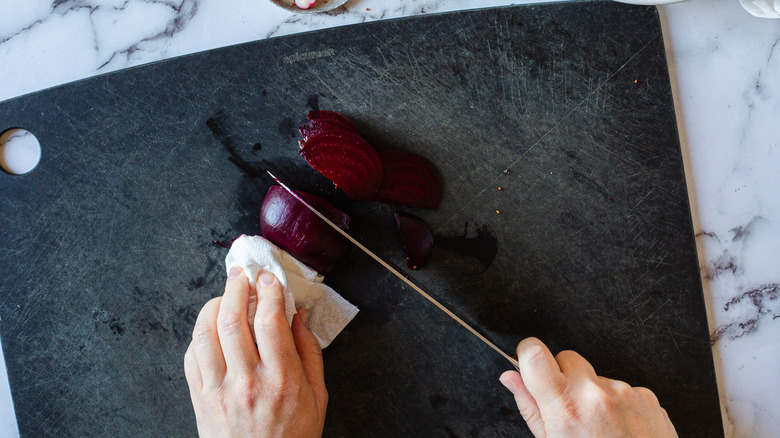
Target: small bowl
319 6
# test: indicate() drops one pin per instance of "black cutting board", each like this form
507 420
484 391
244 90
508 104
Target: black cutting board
107 253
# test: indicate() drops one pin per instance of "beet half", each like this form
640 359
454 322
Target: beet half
286 222
416 239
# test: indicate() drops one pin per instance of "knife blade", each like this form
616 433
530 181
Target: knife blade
404 277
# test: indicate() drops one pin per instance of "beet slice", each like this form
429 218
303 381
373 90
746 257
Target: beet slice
332 116
287 223
347 159
318 126
409 180
416 239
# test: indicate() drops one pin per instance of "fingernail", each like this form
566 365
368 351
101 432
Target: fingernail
234 271
304 315
265 279
508 385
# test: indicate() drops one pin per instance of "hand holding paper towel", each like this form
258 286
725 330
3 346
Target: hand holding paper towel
328 312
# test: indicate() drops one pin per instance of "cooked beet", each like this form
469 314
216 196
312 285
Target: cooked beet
286 222
416 239
347 159
408 179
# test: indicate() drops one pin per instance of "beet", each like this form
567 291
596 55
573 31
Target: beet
416 239
347 159
286 222
409 180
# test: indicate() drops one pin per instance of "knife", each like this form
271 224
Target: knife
404 277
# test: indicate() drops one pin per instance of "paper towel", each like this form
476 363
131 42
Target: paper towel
762 8
328 312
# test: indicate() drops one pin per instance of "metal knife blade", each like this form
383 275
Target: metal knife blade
397 273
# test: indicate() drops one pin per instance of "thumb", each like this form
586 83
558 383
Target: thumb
541 374
311 357
526 403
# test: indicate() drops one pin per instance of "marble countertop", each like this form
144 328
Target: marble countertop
725 68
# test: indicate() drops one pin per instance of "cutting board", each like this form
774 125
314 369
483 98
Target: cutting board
107 249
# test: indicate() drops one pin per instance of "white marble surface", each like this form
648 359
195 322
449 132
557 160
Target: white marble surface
726 73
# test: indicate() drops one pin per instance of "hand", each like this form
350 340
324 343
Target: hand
563 397
238 388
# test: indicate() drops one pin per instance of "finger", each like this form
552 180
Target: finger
651 404
540 371
670 430
526 404
573 365
647 395
311 357
235 336
205 343
274 336
192 371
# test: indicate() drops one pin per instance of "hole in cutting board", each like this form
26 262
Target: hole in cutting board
20 151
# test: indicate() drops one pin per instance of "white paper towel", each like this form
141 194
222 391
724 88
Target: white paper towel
762 8
328 312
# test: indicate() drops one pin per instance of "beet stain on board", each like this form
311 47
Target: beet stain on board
482 247
211 274
217 124
313 101
228 244
249 194
287 128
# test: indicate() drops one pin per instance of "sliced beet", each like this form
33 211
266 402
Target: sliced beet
332 116
318 126
286 222
347 159
416 239
408 179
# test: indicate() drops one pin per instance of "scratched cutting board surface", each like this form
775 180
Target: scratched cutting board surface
107 253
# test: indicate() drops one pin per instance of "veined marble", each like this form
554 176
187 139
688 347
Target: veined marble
725 67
